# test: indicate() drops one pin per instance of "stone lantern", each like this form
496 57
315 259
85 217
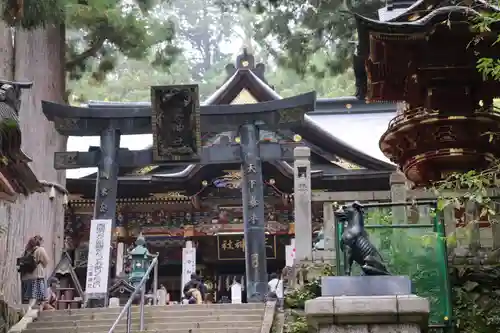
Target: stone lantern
140 259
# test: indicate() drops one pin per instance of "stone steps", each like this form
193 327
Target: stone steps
157 318
136 330
205 318
149 313
177 307
160 326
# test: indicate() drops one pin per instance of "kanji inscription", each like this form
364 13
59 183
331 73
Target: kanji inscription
232 247
176 123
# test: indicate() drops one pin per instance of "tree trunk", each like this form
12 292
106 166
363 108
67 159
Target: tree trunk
38 57
6 52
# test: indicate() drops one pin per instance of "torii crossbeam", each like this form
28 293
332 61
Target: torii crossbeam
176 120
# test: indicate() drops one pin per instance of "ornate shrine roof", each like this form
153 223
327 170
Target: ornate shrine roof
427 56
424 14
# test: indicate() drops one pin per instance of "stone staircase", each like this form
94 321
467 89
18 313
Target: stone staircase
206 318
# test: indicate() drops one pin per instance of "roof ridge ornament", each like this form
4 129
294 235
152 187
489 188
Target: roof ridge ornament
246 60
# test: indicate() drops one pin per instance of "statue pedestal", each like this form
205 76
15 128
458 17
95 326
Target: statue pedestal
368 314
365 285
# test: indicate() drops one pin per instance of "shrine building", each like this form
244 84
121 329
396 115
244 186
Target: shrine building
202 203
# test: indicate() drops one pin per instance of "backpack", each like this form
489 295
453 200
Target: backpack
27 263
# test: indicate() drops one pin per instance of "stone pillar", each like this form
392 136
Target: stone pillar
495 230
302 204
495 223
120 250
398 194
107 176
368 314
252 190
450 225
329 230
471 218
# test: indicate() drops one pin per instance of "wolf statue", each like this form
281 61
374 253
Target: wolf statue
355 242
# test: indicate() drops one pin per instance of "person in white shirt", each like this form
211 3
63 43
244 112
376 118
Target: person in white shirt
275 289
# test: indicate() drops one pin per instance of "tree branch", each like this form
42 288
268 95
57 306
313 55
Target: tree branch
90 52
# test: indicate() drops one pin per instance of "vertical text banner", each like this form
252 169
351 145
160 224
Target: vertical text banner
96 285
188 264
290 255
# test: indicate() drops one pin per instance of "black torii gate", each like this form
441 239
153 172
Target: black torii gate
174 120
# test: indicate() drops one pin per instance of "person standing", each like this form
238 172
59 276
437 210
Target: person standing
25 265
37 277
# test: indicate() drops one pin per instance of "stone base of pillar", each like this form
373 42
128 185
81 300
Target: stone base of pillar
307 270
114 302
368 314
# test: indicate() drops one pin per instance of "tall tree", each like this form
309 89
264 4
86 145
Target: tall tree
294 31
37 56
202 29
130 81
97 31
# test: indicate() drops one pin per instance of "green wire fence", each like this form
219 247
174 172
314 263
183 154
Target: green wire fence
411 239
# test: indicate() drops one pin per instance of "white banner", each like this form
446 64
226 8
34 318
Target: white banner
98 257
188 264
290 254
236 293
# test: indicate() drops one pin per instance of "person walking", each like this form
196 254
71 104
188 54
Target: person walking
37 276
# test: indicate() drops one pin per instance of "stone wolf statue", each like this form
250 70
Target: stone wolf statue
356 244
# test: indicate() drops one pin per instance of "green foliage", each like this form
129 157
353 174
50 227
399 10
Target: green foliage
413 252
130 81
477 299
33 13
294 31
296 323
295 301
461 189
116 42
483 24
99 31
297 298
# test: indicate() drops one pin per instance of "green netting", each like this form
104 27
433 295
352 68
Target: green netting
411 242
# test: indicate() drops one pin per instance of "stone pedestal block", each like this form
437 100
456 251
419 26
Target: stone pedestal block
365 285
368 314
114 302
161 296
